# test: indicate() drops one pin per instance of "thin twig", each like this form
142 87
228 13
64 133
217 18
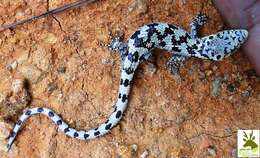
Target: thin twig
63 8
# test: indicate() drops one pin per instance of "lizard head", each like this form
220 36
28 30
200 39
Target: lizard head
222 44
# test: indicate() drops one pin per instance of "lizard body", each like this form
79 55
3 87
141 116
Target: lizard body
139 48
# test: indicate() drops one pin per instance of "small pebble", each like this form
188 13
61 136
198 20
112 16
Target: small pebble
51 87
51 38
212 151
9 67
216 85
125 151
19 14
17 85
107 61
145 154
61 69
214 68
245 93
139 6
28 11
202 75
157 93
13 66
134 147
209 72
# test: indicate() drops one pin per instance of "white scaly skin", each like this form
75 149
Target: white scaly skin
139 48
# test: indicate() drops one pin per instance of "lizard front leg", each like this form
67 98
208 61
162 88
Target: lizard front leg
197 22
176 61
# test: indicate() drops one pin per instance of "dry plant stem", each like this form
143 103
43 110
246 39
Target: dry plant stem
63 8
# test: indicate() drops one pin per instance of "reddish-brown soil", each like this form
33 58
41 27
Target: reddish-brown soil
64 65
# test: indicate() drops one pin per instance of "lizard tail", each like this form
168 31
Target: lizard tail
114 118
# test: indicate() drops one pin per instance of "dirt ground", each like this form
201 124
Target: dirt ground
62 63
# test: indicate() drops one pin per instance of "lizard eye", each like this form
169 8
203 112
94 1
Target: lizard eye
130 56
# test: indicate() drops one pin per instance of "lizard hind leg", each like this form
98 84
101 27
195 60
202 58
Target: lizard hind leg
175 63
197 22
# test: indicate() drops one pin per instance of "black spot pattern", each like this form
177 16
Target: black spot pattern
160 36
19 122
152 25
142 58
229 43
28 112
59 122
205 55
190 50
176 49
115 109
150 33
130 57
135 57
162 44
75 134
169 30
124 98
219 36
66 130
194 46
138 42
135 35
12 134
40 110
128 71
86 135
126 82
225 50
108 126
118 114
183 39
174 41
51 114
96 133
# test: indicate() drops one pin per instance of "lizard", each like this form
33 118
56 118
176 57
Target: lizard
140 46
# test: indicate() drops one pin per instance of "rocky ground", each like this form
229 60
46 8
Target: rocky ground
62 63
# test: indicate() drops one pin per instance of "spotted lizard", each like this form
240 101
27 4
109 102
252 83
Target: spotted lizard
140 46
